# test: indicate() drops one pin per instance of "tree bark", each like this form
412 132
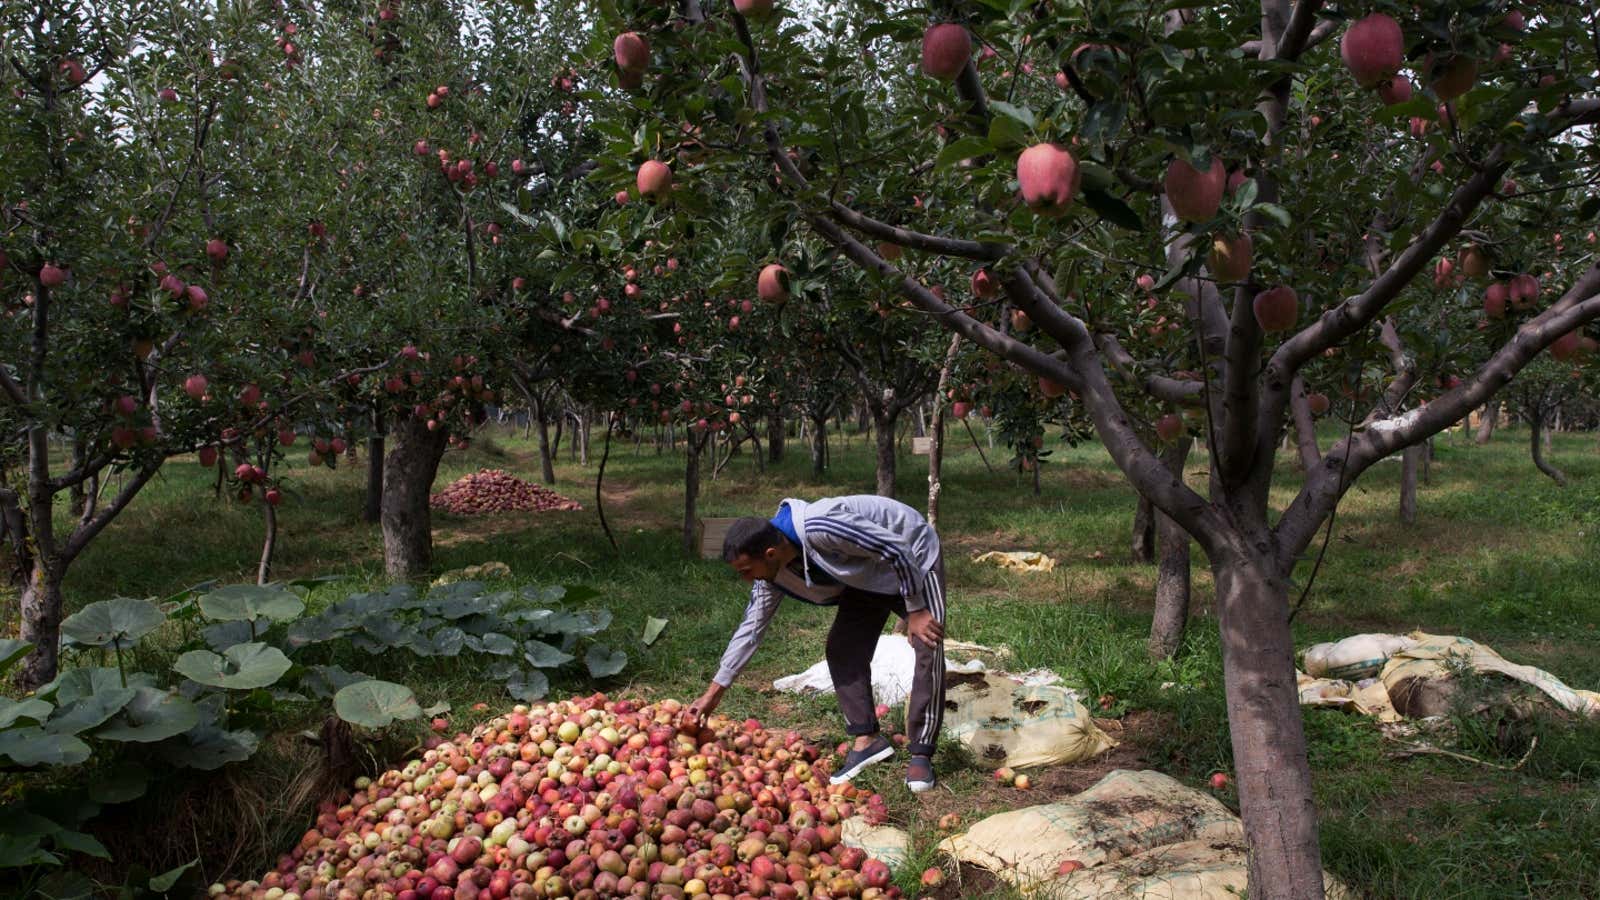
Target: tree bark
373 511
775 437
581 438
1536 433
694 446
936 453
269 542
407 521
77 499
819 446
1410 461
1171 616
547 464
1144 531
1491 410
883 431
1266 730
40 605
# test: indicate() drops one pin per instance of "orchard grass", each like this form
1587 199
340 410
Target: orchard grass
1499 554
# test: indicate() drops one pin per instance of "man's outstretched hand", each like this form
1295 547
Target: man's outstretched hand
694 716
922 626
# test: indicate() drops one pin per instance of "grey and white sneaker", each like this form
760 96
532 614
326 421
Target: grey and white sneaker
919 774
856 760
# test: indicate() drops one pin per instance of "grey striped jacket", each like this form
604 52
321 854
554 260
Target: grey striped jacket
864 541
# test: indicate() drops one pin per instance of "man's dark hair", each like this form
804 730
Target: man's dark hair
750 536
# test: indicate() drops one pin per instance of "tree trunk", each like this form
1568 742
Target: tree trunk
269 542
40 605
1410 460
1491 411
77 499
1172 575
409 472
1536 434
1144 531
373 511
691 490
883 430
1266 730
936 454
775 436
819 446
547 462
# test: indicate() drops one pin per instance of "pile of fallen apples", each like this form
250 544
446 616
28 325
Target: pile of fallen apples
585 799
496 490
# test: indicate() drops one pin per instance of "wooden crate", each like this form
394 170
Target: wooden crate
922 446
712 531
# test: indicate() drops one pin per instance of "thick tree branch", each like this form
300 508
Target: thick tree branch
86 531
1324 487
1161 387
1305 426
983 251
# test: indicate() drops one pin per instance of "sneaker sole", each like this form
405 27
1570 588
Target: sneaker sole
853 771
918 787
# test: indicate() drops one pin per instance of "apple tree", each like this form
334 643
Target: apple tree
1070 148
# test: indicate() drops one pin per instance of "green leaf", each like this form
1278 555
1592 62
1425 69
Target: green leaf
121 619
66 886
586 622
603 662
123 782
31 746
152 715
1275 212
375 704
1006 132
325 681
528 686
652 630
544 656
166 880
1173 56
78 842
1113 210
75 684
498 644
970 147
1020 113
17 851
28 712
12 650
223 635
89 712
208 748
241 667
250 602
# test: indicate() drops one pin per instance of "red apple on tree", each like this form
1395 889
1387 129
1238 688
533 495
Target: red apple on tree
1373 47
772 284
631 51
1169 427
1318 403
945 51
1195 196
753 9
984 284
195 386
1495 298
1230 258
1394 90
52 276
1277 308
217 249
654 179
1047 176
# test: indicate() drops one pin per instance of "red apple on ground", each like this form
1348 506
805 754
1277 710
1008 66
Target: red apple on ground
932 877
1219 781
1067 867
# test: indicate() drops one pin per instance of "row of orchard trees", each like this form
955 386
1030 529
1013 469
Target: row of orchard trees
1216 221
243 232
240 230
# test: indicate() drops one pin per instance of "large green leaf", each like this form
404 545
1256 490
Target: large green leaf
375 704
528 686
17 851
207 748
223 635
76 684
603 662
544 656
325 681
12 650
251 602
585 622
88 712
32 746
498 644
29 712
78 842
123 782
166 880
121 620
152 715
240 667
